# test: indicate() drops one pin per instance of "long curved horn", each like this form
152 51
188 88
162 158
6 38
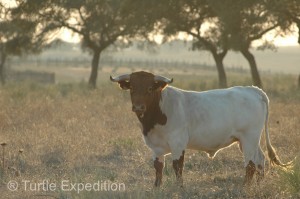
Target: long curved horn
125 77
162 78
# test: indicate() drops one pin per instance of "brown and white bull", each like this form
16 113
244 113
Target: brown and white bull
174 120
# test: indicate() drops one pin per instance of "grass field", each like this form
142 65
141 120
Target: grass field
68 133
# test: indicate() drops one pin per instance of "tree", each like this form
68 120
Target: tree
287 13
17 37
245 21
197 19
99 23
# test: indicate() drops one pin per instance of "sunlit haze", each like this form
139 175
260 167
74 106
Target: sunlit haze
68 36
289 40
9 3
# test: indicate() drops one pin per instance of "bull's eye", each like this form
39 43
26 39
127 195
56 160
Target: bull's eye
150 89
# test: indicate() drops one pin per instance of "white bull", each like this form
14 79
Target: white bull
174 120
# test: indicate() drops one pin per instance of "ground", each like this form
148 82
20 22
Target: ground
66 133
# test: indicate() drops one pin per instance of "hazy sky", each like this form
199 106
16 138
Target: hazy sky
290 40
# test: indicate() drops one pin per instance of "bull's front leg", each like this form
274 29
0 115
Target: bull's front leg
158 165
178 168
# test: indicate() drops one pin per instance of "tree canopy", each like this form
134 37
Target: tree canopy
18 36
219 26
287 13
216 26
99 23
198 19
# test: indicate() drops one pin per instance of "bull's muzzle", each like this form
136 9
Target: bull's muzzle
139 110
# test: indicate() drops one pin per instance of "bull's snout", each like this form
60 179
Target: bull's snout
139 109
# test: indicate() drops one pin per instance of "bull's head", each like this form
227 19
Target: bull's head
144 88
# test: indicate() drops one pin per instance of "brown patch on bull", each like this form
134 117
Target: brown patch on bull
152 116
250 170
146 93
158 168
178 168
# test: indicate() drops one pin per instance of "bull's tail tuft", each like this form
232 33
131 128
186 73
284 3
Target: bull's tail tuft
274 159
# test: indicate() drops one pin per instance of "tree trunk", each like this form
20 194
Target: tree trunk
2 62
298 26
95 66
299 82
220 68
252 63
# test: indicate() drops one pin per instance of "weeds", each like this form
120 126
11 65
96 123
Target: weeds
290 179
71 132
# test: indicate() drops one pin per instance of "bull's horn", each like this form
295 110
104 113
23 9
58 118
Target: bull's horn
125 77
162 78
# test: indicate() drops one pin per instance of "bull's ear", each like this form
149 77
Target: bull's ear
125 85
159 85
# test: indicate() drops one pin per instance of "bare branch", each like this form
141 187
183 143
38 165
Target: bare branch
259 35
81 17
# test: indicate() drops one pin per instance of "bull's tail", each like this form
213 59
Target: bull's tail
274 159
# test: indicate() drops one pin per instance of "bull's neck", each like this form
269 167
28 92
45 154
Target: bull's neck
153 115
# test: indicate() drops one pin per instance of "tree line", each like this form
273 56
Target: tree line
215 26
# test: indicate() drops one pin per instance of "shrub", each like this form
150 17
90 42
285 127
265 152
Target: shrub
290 179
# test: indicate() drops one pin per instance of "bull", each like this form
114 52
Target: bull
174 120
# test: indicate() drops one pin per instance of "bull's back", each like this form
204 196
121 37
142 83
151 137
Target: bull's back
213 119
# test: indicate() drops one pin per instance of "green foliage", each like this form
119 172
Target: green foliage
290 179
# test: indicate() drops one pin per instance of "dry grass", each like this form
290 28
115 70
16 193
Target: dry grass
68 132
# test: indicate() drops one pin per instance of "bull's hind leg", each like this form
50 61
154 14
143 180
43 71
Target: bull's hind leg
250 170
255 166
260 164
254 158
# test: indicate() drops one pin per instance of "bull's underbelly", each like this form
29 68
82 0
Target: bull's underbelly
211 142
